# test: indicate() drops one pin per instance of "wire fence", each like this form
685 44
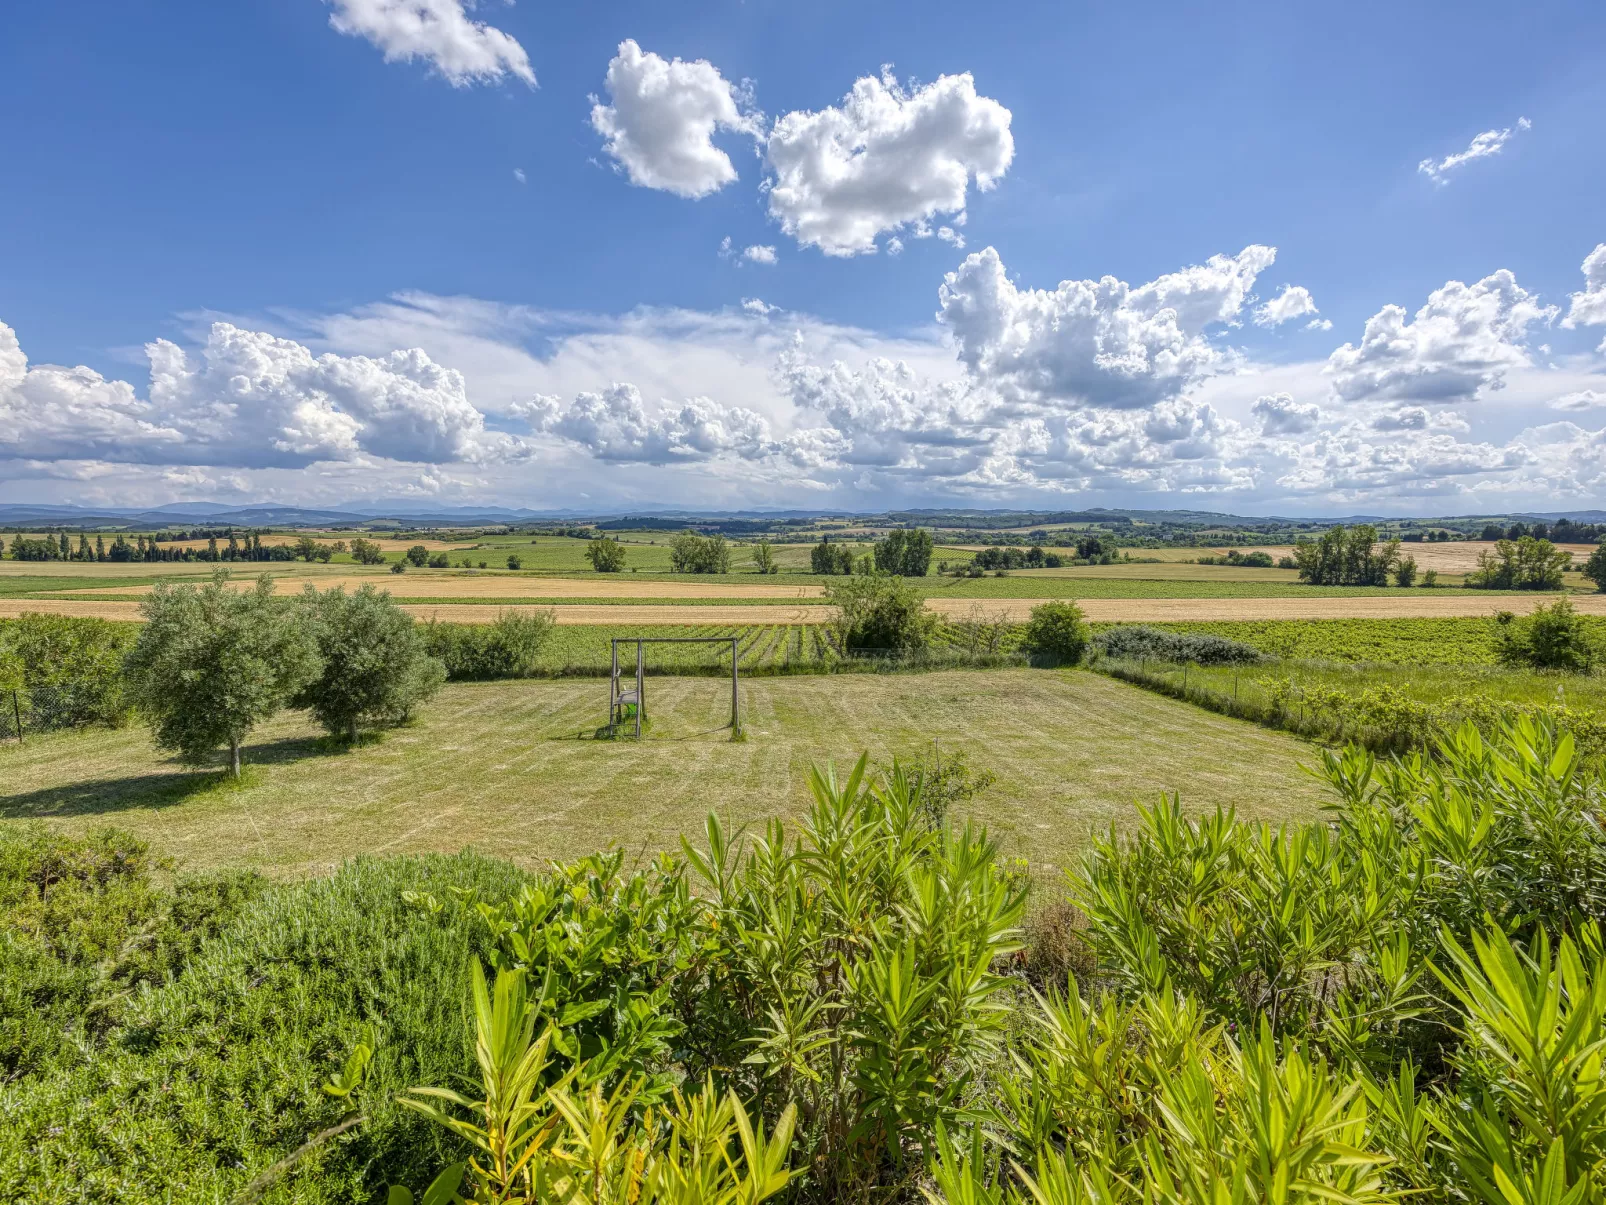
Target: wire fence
44 708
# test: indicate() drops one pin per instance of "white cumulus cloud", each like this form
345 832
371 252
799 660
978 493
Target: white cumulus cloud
1589 307
613 424
1458 347
440 32
759 254
1095 342
885 157
1490 142
1293 302
1280 414
247 399
662 115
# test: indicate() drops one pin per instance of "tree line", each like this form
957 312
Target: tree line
902 552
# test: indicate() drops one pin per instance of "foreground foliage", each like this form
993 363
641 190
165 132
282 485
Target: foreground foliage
1407 1000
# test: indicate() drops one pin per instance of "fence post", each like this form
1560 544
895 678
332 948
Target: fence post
16 710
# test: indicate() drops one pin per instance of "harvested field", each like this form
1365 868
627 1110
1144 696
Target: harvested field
1419 604
516 585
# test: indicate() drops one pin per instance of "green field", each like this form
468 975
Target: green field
1403 642
511 768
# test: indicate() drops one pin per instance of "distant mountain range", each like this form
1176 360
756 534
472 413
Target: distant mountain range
208 514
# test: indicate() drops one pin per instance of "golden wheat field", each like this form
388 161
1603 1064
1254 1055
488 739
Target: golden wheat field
495 586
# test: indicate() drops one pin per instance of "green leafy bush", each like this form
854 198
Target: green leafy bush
1139 642
78 661
216 1076
879 613
84 928
1056 632
1552 637
509 648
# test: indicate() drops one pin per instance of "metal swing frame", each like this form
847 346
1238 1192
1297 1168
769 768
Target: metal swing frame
620 697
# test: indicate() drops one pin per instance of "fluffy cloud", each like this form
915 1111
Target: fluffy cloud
440 32
1280 414
249 399
662 117
1490 142
1293 302
1458 347
1095 342
885 157
1584 399
613 425
1589 307
759 254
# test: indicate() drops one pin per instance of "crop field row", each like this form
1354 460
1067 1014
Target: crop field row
762 649
1407 642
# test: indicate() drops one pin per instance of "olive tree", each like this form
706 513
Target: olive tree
213 662
375 666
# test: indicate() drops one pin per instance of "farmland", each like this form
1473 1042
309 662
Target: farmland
512 766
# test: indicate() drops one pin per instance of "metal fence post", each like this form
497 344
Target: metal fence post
16 710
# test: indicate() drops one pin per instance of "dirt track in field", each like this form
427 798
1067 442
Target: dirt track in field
492 587
1414 605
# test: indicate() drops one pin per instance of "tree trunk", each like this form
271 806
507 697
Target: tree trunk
234 756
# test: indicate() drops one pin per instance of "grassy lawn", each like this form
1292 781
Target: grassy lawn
510 768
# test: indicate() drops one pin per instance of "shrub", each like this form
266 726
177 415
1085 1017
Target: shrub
1524 563
375 668
399 567
509 648
85 927
1287 562
515 561
418 556
79 661
212 663
440 561
1138 642
879 613
692 553
216 1076
1551 637
1430 579
1057 632
605 555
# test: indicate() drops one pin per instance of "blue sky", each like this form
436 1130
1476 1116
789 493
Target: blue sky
358 298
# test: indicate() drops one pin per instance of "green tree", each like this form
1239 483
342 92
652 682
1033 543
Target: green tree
1346 556
693 553
1058 632
418 555
1524 563
1595 567
1405 572
764 558
375 667
366 552
307 548
879 612
831 559
212 663
606 555
905 552
515 561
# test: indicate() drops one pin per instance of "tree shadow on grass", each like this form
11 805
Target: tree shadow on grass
160 789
